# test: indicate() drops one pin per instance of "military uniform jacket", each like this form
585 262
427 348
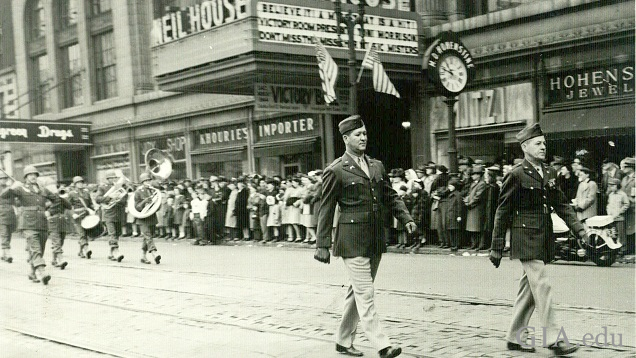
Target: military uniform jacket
115 214
7 213
80 199
362 201
57 217
140 194
525 203
33 200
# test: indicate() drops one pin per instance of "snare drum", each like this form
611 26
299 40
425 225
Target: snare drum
92 225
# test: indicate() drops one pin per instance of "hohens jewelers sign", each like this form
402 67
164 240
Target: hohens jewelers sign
290 24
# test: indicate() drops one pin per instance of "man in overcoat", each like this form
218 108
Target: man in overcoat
528 195
360 187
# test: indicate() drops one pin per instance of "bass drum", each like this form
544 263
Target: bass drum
92 225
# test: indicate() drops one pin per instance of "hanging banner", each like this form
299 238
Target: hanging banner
26 131
297 99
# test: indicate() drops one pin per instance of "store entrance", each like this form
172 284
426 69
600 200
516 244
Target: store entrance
388 141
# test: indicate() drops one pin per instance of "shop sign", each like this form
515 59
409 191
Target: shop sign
401 5
285 128
220 137
196 18
487 106
26 131
298 99
105 149
589 84
175 145
290 24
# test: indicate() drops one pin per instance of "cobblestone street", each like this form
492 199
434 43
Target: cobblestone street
196 304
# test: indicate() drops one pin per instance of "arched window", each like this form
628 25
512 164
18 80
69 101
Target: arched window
36 22
67 11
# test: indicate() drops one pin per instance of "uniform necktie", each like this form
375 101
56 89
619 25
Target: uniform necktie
363 166
539 170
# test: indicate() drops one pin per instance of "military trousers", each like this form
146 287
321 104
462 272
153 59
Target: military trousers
5 235
359 305
79 230
147 232
57 241
114 232
36 242
535 294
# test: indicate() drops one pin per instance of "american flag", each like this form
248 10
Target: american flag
381 82
328 72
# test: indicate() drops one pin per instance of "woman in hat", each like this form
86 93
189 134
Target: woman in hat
585 201
230 216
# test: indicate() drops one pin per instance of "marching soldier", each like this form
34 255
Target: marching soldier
7 217
57 223
112 215
33 221
80 199
143 197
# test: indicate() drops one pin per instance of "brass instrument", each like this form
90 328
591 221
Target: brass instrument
158 165
117 193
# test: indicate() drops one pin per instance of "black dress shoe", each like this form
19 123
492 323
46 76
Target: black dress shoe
390 352
350 351
518 347
88 254
158 259
560 349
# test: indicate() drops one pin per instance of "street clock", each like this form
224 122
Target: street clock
449 64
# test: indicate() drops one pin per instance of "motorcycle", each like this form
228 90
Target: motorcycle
603 245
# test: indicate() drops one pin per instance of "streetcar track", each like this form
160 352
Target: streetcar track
185 319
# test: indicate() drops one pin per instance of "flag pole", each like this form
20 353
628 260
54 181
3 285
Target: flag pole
362 66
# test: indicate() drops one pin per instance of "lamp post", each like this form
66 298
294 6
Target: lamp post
350 20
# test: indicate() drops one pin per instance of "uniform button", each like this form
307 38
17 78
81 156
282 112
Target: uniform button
531 188
351 220
352 183
544 197
524 225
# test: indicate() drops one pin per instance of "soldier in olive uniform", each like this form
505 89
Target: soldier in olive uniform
55 214
80 199
112 216
143 196
7 217
528 195
33 222
360 187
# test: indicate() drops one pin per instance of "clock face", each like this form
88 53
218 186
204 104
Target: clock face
452 73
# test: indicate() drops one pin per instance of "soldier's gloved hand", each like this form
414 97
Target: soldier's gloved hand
322 254
495 257
410 227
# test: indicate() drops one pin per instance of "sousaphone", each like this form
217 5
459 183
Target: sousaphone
158 165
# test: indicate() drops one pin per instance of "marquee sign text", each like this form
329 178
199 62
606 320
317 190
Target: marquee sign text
289 24
298 99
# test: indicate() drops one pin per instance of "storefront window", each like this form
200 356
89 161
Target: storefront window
229 169
121 165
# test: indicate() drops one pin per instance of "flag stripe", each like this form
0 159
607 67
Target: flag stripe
381 81
328 70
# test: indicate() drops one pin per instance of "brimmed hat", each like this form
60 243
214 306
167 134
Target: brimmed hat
629 161
454 182
494 168
586 170
442 168
614 181
477 169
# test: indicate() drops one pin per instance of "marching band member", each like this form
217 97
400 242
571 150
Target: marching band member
143 196
33 221
112 216
7 217
57 222
82 203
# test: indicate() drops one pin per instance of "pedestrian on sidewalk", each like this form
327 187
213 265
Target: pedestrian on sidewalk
360 187
528 193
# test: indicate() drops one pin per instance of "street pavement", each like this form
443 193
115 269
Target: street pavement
252 300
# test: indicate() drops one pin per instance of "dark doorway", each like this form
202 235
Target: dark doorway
388 140
72 163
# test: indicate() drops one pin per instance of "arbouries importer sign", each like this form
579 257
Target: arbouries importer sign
26 131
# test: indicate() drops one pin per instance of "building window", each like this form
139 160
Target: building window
100 6
2 105
105 69
36 21
41 97
72 76
67 13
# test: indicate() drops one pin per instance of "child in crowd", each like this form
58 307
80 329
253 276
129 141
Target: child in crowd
168 218
186 223
273 218
454 208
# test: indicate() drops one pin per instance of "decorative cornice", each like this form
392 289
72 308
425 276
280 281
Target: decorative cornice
555 38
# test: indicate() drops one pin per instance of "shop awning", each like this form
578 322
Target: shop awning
276 149
589 122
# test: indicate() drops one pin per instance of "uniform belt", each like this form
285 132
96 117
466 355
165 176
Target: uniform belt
32 208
